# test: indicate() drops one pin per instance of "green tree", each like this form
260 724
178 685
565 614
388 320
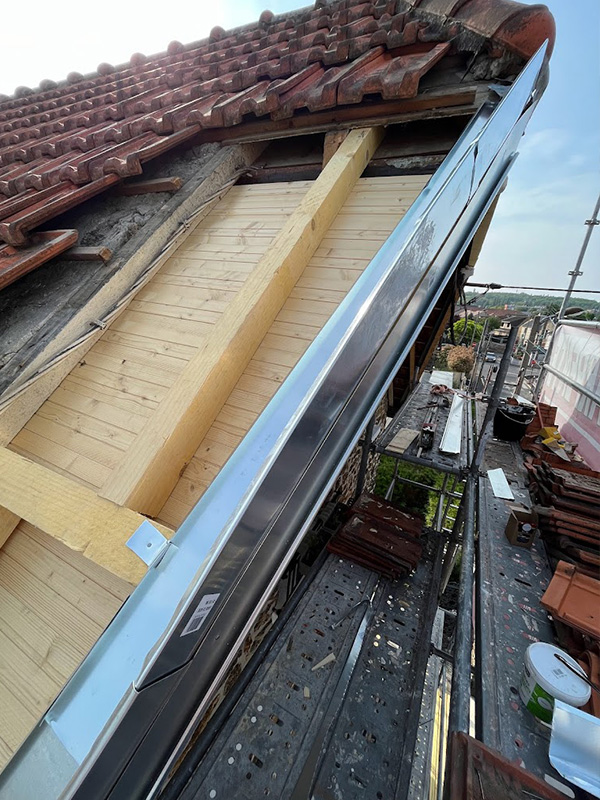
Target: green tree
494 323
551 308
473 331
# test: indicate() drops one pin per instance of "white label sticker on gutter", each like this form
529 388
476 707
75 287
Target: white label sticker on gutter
200 614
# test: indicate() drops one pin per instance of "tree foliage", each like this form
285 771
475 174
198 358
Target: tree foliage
460 359
494 323
473 331
440 357
530 302
411 498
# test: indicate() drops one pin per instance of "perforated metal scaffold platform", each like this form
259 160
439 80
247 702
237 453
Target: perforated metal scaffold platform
333 710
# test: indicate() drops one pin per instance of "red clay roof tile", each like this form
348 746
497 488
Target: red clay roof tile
15 262
63 143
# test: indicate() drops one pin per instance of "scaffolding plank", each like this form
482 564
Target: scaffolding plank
512 581
313 725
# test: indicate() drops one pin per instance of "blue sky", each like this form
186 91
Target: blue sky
539 223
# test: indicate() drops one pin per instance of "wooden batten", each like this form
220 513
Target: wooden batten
145 477
74 514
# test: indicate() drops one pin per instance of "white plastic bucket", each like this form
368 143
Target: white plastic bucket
545 679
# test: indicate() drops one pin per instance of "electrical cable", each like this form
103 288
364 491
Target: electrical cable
494 286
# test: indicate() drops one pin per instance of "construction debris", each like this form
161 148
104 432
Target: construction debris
329 659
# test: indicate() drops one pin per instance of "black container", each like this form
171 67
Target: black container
510 422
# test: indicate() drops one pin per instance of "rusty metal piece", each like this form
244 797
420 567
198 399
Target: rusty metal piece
590 663
477 772
16 262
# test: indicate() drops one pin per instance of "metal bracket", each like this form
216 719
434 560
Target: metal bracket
148 544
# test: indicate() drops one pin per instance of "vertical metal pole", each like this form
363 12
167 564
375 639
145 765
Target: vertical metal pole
364 458
440 505
529 350
461 674
390 491
494 400
482 361
478 354
591 223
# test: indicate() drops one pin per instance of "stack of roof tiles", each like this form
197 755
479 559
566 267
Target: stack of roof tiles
568 494
63 143
574 599
381 537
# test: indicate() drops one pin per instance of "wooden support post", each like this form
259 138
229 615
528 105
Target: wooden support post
153 464
72 513
412 377
8 522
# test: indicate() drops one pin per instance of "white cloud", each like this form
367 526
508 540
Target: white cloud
78 37
544 145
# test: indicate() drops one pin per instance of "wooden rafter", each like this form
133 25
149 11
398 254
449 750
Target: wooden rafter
72 513
152 465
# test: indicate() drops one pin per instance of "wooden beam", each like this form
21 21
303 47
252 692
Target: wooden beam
173 184
8 522
72 513
481 232
87 254
153 463
456 100
214 178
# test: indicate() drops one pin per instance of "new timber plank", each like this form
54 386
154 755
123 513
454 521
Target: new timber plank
17 720
87 596
55 456
81 568
277 354
147 476
53 605
74 514
54 653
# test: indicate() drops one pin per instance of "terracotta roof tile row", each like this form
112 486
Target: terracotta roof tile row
64 143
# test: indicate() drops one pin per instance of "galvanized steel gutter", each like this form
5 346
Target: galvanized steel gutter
121 722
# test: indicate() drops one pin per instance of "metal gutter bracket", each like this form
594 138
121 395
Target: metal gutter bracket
148 543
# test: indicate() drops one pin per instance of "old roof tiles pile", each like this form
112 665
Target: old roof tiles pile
63 143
